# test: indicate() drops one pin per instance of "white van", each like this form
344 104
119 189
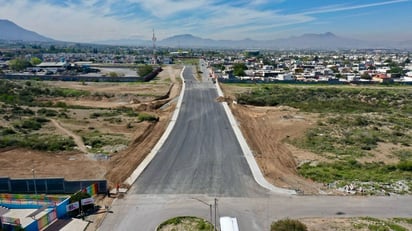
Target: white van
228 224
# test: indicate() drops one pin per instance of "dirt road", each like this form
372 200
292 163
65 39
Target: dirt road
77 139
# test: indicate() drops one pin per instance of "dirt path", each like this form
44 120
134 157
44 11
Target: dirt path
77 139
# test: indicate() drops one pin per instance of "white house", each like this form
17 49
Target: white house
286 76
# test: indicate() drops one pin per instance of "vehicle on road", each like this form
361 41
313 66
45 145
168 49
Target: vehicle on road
228 224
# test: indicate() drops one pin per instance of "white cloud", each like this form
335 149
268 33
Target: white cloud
336 8
167 8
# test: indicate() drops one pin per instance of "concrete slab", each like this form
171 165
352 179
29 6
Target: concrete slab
21 214
75 224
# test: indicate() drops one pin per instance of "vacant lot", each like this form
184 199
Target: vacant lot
352 136
82 130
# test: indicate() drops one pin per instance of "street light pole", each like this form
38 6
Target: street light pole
210 208
215 213
34 183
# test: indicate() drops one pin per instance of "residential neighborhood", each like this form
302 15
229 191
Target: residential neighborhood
343 66
364 66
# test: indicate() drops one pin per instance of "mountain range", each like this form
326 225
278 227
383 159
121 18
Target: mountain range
326 40
12 32
9 31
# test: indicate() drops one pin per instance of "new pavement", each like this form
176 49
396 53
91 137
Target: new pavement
201 154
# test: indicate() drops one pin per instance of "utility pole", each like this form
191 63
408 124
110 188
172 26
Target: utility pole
34 183
210 206
210 209
154 58
215 213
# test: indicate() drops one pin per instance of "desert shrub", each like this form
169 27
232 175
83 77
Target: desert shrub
186 223
66 92
20 111
147 117
97 140
48 143
63 115
37 142
144 70
405 165
7 131
288 225
113 119
95 115
404 154
31 124
61 104
47 112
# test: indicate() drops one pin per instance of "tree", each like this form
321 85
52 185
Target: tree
52 48
19 64
144 70
366 75
239 69
35 61
396 70
335 69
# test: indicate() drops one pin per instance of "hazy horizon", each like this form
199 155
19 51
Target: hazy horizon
97 20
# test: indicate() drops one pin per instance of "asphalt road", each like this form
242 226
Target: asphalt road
202 154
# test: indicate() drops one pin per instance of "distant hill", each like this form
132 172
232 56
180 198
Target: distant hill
125 42
307 41
9 31
326 40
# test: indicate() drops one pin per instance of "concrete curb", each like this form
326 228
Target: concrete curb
257 174
142 166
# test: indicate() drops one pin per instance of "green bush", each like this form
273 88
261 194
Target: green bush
47 112
65 92
7 131
31 124
20 111
147 117
405 165
144 70
37 142
288 225
187 223
61 104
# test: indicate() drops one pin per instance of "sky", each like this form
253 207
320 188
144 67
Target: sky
98 20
